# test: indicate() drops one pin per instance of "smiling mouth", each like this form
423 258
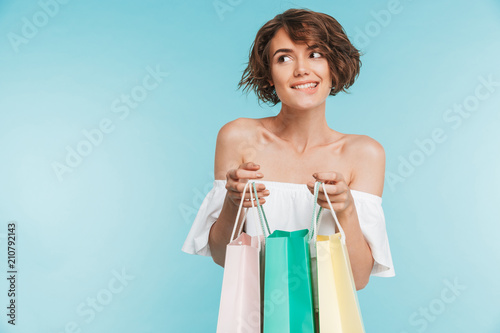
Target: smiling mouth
306 86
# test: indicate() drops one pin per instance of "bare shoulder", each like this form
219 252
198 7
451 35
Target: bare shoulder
231 137
237 128
364 148
368 160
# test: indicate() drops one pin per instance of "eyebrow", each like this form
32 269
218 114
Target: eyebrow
315 46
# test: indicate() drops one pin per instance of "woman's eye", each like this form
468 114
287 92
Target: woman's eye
314 54
281 59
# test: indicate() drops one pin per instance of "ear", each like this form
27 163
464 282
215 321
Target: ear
270 82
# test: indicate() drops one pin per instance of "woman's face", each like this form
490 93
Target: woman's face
295 64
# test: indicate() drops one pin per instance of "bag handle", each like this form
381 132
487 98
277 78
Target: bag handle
244 217
316 222
261 209
238 215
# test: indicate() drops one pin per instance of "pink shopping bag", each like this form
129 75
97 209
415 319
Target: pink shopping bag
239 310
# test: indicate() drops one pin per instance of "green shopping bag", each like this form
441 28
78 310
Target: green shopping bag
288 301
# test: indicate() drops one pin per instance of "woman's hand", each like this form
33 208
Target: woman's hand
337 190
236 180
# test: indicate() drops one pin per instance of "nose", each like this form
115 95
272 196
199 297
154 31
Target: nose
301 67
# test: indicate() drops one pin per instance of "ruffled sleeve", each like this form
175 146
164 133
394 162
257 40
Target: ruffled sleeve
197 239
372 222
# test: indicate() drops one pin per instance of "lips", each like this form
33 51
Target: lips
307 88
305 85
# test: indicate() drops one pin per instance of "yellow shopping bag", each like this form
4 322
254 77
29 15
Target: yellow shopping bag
339 310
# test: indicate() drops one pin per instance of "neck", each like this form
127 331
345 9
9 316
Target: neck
302 128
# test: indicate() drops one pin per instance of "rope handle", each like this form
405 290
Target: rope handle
261 212
246 210
238 215
316 222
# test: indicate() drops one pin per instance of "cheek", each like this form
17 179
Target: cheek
277 77
322 68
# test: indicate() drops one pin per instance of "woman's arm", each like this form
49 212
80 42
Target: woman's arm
228 158
221 231
368 176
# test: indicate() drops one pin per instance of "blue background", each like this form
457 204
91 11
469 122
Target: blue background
127 206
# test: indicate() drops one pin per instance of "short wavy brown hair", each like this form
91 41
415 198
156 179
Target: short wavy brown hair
303 26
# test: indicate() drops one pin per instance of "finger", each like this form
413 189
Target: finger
248 204
235 186
337 206
238 174
260 194
310 187
338 197
249 166
330 189
328 177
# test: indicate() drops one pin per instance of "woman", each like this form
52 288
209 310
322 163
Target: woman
298 58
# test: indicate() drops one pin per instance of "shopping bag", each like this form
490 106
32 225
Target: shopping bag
239 310
339 310
288 302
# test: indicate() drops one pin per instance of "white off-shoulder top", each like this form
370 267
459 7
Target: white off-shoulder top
289 207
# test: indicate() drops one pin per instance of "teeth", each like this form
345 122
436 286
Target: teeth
303 86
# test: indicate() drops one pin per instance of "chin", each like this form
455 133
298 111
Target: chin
304 106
